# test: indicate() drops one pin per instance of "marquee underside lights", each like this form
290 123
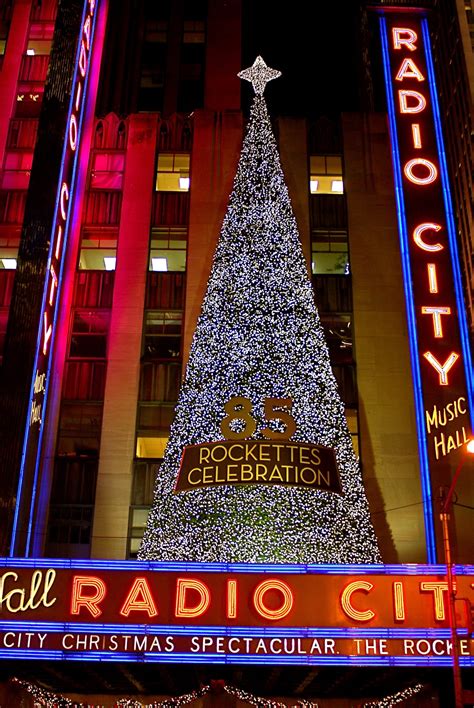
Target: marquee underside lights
191 612
441 361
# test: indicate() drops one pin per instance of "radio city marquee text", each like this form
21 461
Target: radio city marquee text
145 607
440 354
61 217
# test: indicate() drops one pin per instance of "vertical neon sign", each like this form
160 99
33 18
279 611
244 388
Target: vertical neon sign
52 287
440 355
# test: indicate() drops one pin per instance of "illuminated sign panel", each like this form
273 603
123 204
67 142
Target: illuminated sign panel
256 462
247 613
58 243
438 332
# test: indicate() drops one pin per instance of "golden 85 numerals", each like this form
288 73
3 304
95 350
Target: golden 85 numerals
240 408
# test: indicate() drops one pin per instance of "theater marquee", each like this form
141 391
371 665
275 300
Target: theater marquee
441 362
225 613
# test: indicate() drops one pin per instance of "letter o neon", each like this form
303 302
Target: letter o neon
73 132
430 177
267 612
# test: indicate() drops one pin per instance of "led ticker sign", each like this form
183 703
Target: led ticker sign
112 610
441 362
52 287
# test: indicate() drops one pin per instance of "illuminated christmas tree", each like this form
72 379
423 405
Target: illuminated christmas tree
259 337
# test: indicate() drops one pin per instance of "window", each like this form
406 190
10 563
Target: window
22 134
194 32
138 519
89 334
98 249
107 170
94 289
326 174
168 249
160 380
172 173
162 334
103 207
329 252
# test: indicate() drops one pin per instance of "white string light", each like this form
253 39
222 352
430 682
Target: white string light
259 335
395 698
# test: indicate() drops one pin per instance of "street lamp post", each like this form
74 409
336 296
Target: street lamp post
446 505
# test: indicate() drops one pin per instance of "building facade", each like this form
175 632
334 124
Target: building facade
160 135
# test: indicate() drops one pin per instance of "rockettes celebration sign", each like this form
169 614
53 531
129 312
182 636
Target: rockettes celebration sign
441 359
323 615
259 466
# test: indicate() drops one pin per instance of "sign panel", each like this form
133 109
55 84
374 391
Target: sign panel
441 360
25 498
113 610
258 462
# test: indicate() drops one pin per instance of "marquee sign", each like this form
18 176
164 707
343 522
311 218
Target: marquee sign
235 613
54 272
441 360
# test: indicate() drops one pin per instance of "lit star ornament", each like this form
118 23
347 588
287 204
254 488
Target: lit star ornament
259 74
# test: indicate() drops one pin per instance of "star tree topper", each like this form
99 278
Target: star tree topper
259 74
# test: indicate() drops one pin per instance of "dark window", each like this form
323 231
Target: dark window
94 289
162 334
165 290
160 381
84 380
89 334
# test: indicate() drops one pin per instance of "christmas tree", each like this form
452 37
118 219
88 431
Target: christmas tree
259 337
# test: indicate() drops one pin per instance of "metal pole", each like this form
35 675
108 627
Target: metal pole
444 516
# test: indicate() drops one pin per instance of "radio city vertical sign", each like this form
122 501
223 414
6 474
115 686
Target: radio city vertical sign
441 363
43 248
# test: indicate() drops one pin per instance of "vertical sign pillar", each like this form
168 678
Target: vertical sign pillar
37 289
440 355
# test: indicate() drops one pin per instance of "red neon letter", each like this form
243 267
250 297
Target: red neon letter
83 59
54 284
58 241
78 95
409 70
63 199
231 599
416 134
437 589
417 233
419 106
47 332
346 601
139 599
436 312
442 369
87 31
73 132
267 612
404 36
89 601
430 177
398 602
432 277
182 586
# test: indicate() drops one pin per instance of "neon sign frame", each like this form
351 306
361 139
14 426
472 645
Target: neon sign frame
271 630
32 440
421 383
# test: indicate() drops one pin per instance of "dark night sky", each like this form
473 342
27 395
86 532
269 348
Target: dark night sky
315 48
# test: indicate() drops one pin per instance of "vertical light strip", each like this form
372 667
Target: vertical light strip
409 301
453 245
